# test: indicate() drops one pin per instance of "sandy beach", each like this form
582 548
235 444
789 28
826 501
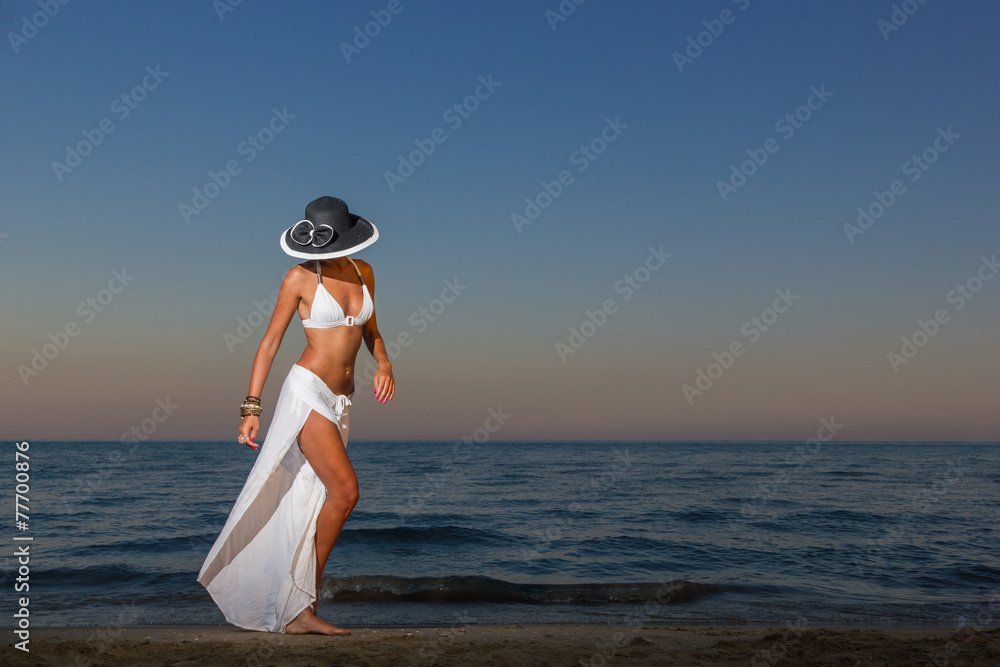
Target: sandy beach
181 646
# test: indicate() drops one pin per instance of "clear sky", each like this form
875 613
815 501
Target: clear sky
737 137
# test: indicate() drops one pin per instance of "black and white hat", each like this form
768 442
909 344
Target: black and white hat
328 230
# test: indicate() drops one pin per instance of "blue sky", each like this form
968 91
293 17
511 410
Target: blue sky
552 91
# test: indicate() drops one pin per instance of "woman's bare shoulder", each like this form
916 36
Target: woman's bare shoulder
297 276
365 268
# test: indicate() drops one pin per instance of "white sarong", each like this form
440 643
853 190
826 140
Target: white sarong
261 570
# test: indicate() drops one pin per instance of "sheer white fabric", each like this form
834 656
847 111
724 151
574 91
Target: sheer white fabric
261 571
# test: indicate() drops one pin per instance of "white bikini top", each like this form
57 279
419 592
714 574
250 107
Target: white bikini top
326 313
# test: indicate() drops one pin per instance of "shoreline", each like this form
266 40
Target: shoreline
678 625
511 644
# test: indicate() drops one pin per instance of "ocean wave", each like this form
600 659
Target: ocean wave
438 535
469 589
113 575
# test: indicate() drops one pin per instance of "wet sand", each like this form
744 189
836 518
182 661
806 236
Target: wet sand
183 646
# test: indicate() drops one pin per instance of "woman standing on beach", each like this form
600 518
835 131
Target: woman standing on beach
265 567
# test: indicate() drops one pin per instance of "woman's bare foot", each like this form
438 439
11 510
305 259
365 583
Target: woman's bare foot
308 623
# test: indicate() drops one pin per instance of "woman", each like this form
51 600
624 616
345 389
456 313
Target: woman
265 567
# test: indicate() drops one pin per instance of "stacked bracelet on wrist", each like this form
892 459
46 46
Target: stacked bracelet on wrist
250 407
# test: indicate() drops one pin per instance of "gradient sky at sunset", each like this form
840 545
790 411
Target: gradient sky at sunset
643 137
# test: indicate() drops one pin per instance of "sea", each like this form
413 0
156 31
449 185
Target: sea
458 533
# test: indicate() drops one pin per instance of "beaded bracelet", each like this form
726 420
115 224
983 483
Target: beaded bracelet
250 407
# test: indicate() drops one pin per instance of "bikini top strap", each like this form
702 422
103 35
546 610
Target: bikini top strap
319 276
358 271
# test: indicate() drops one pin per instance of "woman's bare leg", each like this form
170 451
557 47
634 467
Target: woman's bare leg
323 447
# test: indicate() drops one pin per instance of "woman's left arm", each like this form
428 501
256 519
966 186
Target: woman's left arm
385 385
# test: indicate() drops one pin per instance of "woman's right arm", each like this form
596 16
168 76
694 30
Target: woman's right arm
284 310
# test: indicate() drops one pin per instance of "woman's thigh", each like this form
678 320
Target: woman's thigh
323 447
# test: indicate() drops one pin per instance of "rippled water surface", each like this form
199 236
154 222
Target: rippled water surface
569 532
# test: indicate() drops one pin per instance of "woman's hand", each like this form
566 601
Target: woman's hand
385 385
248 431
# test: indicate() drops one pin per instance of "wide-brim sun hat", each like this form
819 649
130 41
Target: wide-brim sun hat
328 230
